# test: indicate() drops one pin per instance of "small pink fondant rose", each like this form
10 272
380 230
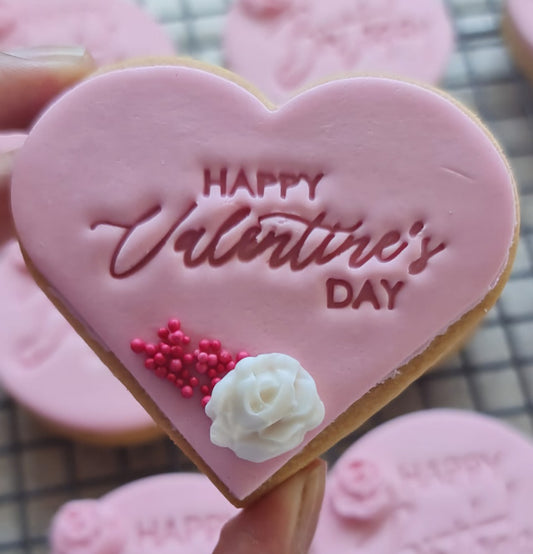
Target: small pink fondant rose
360 490
87 527
265 8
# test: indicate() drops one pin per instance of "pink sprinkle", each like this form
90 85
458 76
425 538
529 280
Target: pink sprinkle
215 345
176 338
186 339
221 368
150 349
175 365
174 325
193 382
185 374
205 400
176 351
161 372
201 368
241 355
137 345
215 381
203 357
149 363
163 333
180 383
160 359
204 345
172 378
212 373
224 357
212 360
204 389
186 392
164 348
230 366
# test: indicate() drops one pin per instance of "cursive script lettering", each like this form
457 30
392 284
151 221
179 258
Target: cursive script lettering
244 236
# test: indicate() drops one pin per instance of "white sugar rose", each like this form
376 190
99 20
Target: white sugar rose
264 407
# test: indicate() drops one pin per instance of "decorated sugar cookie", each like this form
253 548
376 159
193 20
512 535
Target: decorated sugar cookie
283 46
50 371
179 513
438 481
263 280
112 30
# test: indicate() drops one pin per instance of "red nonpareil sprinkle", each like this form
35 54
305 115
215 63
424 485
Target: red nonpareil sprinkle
137 345
174 325
188 368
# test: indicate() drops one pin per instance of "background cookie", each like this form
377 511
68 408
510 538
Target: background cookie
282 46
49 369
377 222
434 481
166 514
112 30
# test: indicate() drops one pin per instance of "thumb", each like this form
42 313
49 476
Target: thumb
30 78
281 522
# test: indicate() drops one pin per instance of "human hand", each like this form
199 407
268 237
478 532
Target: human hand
281 522
30 79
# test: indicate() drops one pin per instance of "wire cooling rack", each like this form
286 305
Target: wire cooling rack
492 374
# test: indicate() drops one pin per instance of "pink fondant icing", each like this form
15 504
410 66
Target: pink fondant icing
125 165
282 46
112 30
178 513
438 481
49 369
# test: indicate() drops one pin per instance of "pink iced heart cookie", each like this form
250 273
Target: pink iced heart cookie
112 30
282 46
166 514
438 481
289 270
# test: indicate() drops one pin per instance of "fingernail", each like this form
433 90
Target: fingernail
310 504
53 55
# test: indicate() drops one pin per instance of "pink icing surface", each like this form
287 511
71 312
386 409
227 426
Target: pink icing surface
112 30
439 481
391 154
521 14
49 369
284 45
168 514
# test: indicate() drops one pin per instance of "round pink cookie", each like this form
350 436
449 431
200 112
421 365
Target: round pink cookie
282 46
112 30
441 481
50 370
179 513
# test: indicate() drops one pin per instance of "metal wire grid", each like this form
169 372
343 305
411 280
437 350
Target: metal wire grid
492 374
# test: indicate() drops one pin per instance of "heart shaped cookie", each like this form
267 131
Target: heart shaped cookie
340 245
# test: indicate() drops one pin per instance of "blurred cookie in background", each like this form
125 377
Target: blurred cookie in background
181 513
283 46
112 30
